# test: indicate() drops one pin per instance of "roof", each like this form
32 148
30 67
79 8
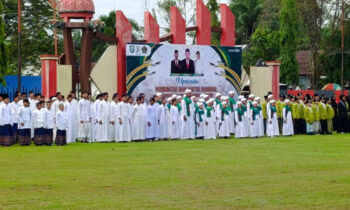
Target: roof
76 6
303 58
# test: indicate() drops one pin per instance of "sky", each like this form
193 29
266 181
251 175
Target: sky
131 8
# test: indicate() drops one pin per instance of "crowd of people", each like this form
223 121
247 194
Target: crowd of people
63 120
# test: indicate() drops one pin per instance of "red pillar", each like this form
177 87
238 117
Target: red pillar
49 75
124 35
178 26
204 24
228 26
275 67
151 29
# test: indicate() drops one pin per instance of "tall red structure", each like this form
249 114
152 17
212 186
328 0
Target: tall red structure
84 10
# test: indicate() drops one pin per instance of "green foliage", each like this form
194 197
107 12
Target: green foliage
289 70
247 14
4 60
264 44
214 8
37 32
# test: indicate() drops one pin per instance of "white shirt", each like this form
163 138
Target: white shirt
6 114
38 118
25 117
61 120
84 110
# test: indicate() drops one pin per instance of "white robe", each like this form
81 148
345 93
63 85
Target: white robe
188 125
200 125
241 131
113 121
272 124
152 115
224 124
85 118
261 124
123 113
138 120
96 107
103 116
163 121
288 128
72 131
25 118
175 127
254 125
210 125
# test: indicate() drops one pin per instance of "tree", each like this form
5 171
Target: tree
3 49
247 14
264 44
214 8
37 33
288 23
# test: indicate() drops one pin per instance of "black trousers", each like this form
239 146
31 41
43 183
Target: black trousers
343 120
323 126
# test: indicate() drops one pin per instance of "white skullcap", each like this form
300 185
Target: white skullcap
211 100
231 92
257 98
239 103
201 100
240 97
200 104
224 103
188 91
243 99
218 94
174 96
270 96
255 103
54 98
202 95
251 96
179 97
159 94
193 97
169 99
272 101
206 96
287 101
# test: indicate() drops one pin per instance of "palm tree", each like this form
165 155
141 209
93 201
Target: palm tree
247 13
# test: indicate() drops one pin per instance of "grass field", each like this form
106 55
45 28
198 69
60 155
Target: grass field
299 172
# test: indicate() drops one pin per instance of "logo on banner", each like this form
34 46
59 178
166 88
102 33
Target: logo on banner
138 50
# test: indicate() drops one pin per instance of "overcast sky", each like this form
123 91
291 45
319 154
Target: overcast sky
131 8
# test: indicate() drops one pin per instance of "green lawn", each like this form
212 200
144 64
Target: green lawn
299 172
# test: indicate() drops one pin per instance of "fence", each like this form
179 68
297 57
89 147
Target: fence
29 83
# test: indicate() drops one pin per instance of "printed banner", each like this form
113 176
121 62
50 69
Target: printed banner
170 69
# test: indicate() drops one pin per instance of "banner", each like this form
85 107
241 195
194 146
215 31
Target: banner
167 68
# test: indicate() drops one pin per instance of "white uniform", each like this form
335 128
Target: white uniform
49 119
188 125
163 121
138 120
272 124
25 117
152 116
84 118
72 132
254 124
200 120
123 113
240 126
288 128
210 124
103 117
175 128
224 124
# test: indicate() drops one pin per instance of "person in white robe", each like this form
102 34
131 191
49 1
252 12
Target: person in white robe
84 115
224 120
123 116
241 131
15 107
232 105
152 123
49 123
163 120
103 119
187 116
210 121
288 128
71 110
246 116
261 118
113 118
25 123
96 112
272 122
254 120
200 120
175 126
138 120
93 119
